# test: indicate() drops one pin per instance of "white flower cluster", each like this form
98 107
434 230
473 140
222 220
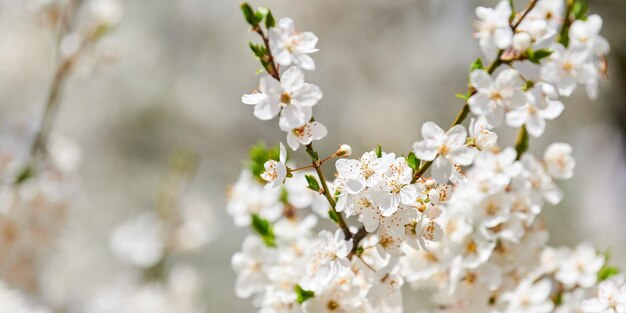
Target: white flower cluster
471 230
33 206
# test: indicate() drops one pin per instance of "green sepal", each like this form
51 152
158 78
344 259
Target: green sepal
477 65
535 56
379 151
607 272
303 294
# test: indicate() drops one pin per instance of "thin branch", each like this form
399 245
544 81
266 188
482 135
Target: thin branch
531 6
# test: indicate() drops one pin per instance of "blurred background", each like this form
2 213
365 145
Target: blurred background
171 75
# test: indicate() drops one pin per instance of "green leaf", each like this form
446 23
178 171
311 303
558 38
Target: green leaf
607 272
313 184
269 20
413 161
334 216
477 65
535 56
303 294
264 230
379 151
249 14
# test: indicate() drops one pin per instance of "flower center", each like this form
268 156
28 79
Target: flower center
443 150
332 305
285 98
568 66
299 132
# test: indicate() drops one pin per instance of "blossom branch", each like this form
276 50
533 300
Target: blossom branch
272 69
320 174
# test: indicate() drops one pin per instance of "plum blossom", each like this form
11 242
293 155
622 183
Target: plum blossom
559 161
368 170
480 130
494 30
530 297
276 171
446 149
139 241
290 96
581 268
328 257
542 105
249 265
289 46
610 298
567 67
305 134
494 96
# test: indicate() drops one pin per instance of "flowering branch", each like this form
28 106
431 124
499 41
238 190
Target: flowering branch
481 216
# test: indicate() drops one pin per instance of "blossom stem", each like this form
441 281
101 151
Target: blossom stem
531 6
64 68
356 239
522 142
317 165
51 108
567 21
272 68
367 264
312 164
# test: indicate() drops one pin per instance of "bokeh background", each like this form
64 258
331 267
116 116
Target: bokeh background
171 76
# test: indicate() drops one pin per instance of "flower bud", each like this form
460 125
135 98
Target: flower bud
486 139
430 183
521 41
344 151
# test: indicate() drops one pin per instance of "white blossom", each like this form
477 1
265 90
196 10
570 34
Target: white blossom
494 96
276 171
290 96
289 46
445 149
494 31
541 105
